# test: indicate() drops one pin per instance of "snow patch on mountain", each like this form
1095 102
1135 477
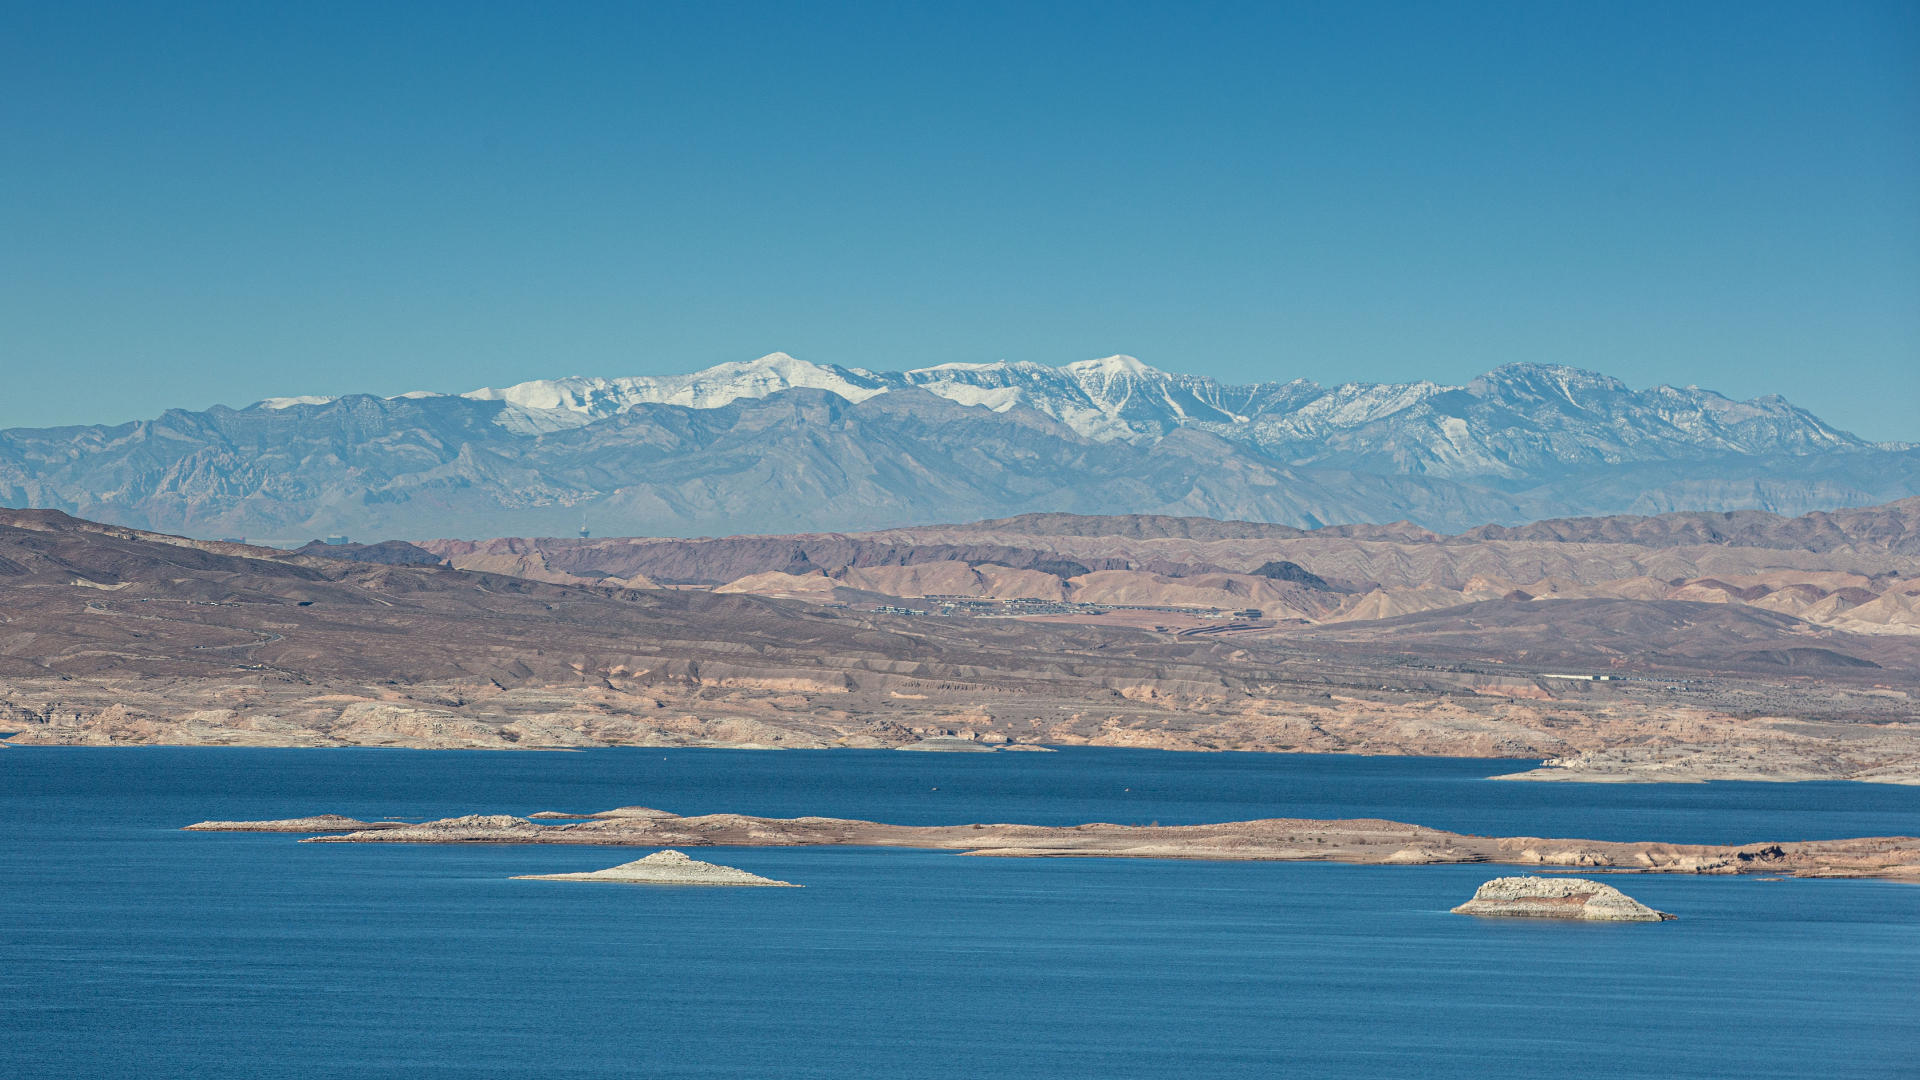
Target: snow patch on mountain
709 389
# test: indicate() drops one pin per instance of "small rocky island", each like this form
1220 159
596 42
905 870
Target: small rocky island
666 868
1557 898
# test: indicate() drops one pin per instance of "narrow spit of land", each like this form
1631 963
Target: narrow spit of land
1360 840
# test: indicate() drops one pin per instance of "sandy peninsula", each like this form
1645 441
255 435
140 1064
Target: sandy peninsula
1358 840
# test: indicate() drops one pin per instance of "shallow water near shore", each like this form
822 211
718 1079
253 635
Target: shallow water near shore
133 949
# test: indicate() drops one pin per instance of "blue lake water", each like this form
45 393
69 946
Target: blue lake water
130 949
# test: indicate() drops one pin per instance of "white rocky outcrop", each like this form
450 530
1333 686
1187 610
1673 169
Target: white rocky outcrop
710 388
666 868
1557 898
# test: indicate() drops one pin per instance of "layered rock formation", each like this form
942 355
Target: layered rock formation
1557 898
666 868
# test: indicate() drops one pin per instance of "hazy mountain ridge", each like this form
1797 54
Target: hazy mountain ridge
1528 421
1515 421
780 445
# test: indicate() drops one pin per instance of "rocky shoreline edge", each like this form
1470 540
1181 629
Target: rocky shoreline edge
1366 841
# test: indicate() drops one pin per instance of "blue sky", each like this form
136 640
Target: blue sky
217 203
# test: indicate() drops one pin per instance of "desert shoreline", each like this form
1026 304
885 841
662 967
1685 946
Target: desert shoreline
1659 765
1611 739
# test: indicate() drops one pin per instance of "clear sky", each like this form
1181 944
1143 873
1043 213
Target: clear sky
218 203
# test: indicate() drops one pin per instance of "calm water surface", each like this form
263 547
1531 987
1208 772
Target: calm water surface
131 949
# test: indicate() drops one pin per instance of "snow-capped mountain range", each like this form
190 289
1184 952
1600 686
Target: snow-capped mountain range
1508 423
779 445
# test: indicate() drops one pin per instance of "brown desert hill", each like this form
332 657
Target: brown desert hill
131 636
1870 541
390 552
718 561
112 636
1603 635
80 599
1893 527
1134 527
47 548
1848 573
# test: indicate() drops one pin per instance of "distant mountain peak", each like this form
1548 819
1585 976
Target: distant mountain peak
1546 380
1111 366
712 388
290 402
